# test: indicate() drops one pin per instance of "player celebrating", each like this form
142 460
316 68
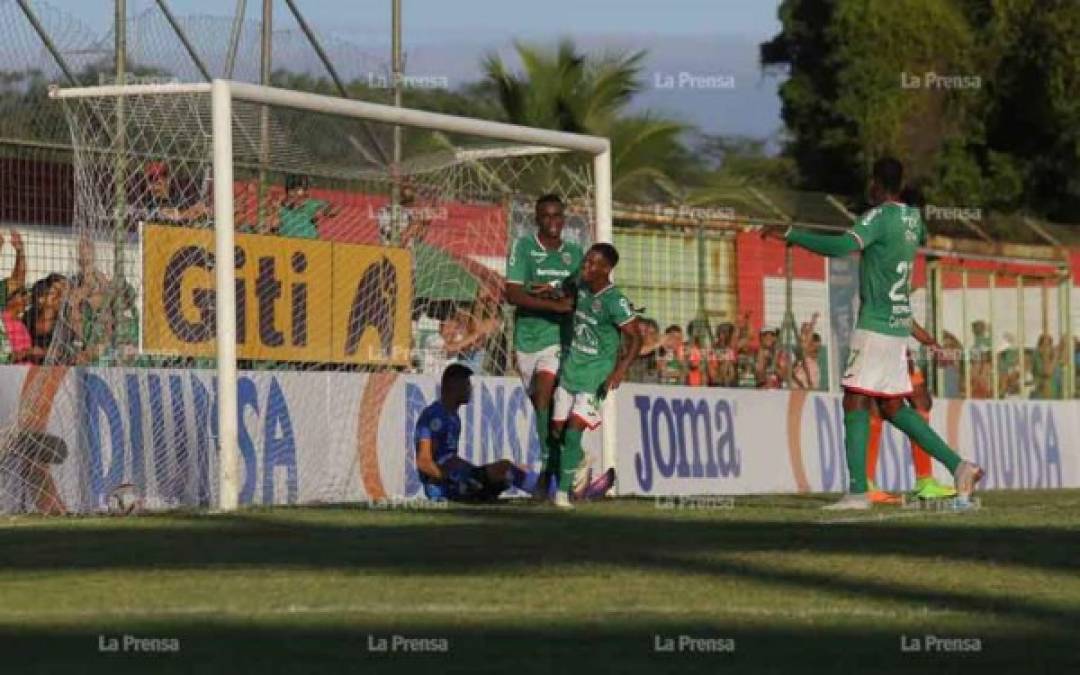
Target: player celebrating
594 365
445 475
536 269
877 373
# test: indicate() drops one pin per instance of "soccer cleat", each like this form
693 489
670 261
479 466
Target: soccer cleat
542 491
849 502
598 487
875 496
562 500
967 476
929 488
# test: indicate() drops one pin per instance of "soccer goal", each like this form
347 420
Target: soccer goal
259 269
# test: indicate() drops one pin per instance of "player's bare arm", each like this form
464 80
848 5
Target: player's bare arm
631 345
425 461
517 296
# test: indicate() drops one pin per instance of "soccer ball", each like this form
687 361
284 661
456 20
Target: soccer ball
124 500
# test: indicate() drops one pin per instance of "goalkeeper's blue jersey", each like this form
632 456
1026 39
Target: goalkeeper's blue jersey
443 428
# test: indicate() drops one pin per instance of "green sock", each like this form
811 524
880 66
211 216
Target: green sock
543 432
917 429
570 459
856 436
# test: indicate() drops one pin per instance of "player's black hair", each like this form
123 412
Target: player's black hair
889 174
455 372
673 328
294 181
607 252
550 198
913 196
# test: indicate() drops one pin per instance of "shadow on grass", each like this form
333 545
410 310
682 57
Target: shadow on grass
505 540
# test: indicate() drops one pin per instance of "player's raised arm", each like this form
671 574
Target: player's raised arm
831 245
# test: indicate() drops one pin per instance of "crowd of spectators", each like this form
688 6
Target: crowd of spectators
1040 374
730 357
81 319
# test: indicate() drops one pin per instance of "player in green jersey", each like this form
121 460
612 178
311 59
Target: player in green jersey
595 364
538 269
888 236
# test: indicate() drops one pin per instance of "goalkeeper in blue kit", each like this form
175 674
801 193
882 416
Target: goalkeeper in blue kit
446 476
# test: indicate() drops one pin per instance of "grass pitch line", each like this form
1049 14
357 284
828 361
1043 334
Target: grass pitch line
457 610
898 515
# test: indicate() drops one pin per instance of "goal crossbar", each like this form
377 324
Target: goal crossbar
375 112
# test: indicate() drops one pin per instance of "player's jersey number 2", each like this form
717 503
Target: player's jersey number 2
898 292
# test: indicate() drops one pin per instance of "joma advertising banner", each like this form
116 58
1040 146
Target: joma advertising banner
685 441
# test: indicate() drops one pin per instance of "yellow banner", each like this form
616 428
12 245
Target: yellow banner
296 299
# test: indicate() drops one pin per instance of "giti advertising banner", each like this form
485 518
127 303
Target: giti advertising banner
296 299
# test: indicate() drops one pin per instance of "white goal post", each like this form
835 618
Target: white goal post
223 94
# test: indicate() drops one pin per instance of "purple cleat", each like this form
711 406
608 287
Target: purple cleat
598 487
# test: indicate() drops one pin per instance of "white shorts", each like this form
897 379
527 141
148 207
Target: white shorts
877 365
583 406
529 364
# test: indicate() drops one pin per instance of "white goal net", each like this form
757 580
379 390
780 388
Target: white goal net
356 279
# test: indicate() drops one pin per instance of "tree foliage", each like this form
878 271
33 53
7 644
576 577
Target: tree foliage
567 90
981 98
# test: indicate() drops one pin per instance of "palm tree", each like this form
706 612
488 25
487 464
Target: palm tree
566 90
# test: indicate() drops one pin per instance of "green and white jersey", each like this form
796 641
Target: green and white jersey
530 263
889 236
594 350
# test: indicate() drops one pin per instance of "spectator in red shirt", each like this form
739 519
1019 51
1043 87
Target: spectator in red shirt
22 348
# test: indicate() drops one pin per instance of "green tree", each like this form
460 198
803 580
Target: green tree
1033 111
981 98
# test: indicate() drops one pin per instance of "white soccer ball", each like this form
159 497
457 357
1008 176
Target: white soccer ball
124 500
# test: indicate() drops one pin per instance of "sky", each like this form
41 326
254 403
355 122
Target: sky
702 54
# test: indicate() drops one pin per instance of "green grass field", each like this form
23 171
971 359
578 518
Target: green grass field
522 588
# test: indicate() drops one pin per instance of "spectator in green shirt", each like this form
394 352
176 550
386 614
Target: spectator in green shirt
300 214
